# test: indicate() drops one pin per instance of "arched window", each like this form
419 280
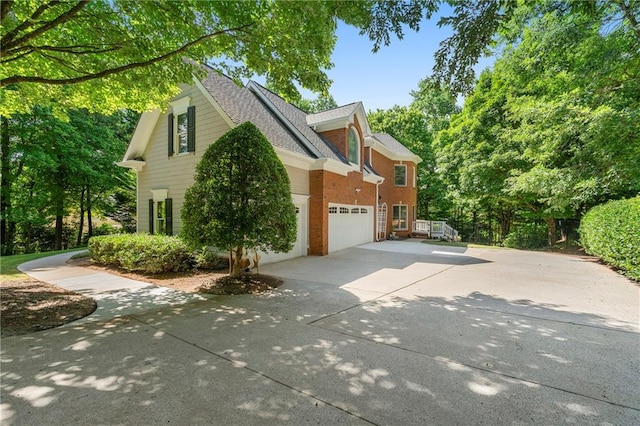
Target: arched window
354 146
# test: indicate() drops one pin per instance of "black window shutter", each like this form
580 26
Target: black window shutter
168 211
191 129
170 134
151 216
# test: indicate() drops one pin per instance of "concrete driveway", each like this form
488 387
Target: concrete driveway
386 333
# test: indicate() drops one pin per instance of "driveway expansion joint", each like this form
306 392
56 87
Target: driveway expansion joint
259 373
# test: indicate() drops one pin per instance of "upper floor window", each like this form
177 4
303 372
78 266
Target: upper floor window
182 122
400 175
354 146
182 127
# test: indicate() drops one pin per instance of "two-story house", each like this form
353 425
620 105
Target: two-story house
340 172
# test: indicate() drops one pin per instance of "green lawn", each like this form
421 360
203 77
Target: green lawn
9 264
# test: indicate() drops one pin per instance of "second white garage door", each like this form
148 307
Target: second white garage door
349 225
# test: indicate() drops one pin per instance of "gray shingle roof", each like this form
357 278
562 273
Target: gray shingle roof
298 118
241 105
392 144
344 111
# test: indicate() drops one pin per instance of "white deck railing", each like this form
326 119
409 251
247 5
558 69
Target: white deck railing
435 229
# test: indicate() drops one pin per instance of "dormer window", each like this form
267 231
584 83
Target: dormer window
354 147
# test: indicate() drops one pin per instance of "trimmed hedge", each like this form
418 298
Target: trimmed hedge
611 231
142 252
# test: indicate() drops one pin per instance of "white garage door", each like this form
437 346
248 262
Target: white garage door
300 247
349 225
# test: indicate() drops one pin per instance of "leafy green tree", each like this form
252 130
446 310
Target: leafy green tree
416 127
321 103
53 168
482 27
104 55
553 128
241 197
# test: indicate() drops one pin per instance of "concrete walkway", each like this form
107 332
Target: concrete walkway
396 332
116 296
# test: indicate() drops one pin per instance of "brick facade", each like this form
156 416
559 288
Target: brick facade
390 193
326 187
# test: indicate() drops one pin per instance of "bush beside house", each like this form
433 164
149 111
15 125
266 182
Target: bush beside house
611 231
142 252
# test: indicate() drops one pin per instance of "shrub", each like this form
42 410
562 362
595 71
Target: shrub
141 252
241 197
611 231
529 236
209 258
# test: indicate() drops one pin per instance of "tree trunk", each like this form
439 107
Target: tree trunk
58 242
79 239
89 218
504 217
6 225
551 230
237 268
58 204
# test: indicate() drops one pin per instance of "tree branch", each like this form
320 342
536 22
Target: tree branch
629 16
26 23
105 73
45 27
75 50
5 7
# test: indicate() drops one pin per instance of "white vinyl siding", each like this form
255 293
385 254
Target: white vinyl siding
176 172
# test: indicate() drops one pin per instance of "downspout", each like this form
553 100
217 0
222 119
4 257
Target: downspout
377 210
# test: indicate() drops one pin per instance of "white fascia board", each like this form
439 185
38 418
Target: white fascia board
371 178
392 155
300 161
362 119
294 159
336 123
214 103
142 134
331 165
132 164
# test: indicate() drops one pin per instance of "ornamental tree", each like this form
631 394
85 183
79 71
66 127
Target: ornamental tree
241 197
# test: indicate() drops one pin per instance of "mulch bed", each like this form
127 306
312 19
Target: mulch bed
29 305
244 284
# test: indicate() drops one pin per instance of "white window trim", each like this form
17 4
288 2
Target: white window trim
415 177
159 194
405 174
406 226
179 107
156 219
358 146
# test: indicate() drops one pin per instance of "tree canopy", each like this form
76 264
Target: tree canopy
481 26
56 171
104 55
416 126
241 197
553 129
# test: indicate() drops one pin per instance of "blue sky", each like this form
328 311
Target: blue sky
383 79
386 78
